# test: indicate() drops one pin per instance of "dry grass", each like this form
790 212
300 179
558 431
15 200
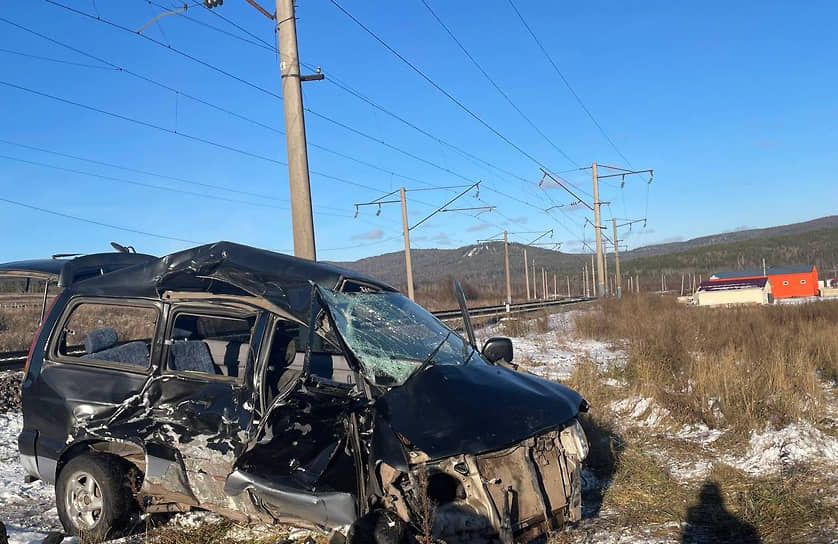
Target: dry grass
784 508
17 328
223 532
737 367
762 364
643 491
606 444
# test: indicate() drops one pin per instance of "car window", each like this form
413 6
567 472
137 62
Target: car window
214 345
109 332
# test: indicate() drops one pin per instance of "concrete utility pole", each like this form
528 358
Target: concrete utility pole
598 233
302 221
408 265
587 289
605 261
593 277
527 273
617 261
544 293
506 261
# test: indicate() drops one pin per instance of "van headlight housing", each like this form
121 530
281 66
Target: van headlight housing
574 440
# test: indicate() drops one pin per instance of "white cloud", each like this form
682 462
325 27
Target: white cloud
374 234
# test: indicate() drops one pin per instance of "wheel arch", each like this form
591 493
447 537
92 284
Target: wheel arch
128 450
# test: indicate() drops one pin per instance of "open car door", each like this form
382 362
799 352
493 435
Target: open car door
303 463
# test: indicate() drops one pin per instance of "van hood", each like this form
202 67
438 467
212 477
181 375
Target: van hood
475 408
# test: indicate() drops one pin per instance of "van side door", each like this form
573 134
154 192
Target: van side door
201 407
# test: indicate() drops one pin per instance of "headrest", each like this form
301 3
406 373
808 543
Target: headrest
180 334
290 351
99 339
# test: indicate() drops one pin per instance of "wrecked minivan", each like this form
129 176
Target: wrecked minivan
269 388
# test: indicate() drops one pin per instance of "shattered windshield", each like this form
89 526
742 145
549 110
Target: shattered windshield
392 336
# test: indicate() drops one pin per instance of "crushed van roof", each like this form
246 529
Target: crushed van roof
278 278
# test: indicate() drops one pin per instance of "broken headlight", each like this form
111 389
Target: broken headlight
574 440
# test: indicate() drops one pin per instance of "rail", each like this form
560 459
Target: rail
514 309
12 360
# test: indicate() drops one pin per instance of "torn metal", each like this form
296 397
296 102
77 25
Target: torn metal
342 399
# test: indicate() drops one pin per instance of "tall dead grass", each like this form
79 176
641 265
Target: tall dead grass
17 328
741 367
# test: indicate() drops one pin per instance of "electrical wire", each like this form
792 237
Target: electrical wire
219 70
433 83
139 183
181 134
495 85
143 172
224 72
94 222
169 47
567 83
50 59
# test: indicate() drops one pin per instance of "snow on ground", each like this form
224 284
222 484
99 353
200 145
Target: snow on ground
643 411
772 450
554 354
28 510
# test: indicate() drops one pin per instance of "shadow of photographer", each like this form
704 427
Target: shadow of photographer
709 521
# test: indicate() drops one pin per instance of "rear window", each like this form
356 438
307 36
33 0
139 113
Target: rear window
110 333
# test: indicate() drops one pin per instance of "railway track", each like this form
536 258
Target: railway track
16 359
514 309
13 360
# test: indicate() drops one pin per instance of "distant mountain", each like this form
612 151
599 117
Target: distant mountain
482 265
736 236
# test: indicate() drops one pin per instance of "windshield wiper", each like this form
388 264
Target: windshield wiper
430 356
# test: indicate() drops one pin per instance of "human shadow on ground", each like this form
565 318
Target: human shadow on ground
709 521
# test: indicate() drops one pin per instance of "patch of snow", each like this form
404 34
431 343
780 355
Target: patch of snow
27 509
642 411
554 355
700 433
772 450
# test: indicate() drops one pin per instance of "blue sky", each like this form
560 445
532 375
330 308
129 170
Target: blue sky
732 104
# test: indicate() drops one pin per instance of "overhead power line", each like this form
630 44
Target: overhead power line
436 85
57 61
180 133
169 47
495 85
179 93
94 222
250 84
143 172
139 183
567 83
242 80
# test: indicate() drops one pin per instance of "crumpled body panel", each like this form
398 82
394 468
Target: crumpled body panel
473 408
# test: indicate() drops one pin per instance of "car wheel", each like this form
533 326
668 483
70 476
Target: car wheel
94 498
378 527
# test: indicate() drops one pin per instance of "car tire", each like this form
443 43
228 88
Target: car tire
378 527
93 493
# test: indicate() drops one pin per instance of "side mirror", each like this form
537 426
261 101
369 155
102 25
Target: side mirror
498 348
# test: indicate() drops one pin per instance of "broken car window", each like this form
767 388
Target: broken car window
216 345
392 336
109 332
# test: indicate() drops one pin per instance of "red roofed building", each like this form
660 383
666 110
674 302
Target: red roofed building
786 281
